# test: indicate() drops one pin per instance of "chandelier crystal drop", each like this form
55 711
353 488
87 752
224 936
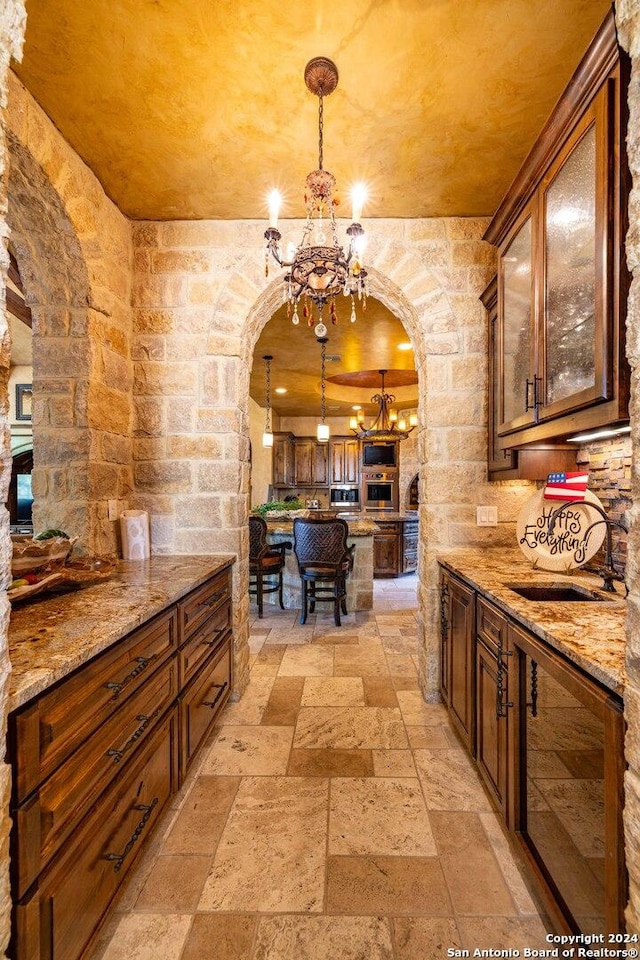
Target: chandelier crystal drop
318 269
386 425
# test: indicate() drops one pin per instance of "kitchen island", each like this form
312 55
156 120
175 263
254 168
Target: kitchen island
359 583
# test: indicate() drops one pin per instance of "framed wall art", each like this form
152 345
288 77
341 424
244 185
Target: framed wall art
24 394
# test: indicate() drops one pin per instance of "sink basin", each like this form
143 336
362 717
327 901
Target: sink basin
563 592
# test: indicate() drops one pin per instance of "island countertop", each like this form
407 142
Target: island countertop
361 527
52 636
590 634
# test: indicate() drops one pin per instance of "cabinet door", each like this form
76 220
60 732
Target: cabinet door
337 448
303 460
351 461
575 336
499 461
386 552
410 546
516 340
492 691
320 464
282 462
568 735
461 618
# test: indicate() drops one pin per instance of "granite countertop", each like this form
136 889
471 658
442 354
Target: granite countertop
357 528
590 634
56 633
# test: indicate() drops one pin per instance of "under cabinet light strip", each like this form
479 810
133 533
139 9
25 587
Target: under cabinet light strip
599 435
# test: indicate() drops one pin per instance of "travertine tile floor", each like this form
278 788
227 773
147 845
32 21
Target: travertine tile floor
334 816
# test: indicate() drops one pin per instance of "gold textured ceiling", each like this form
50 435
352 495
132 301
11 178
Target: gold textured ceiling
196 108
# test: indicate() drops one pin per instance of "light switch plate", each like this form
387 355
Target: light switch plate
487 516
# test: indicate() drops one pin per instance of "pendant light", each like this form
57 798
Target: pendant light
267 436
322 432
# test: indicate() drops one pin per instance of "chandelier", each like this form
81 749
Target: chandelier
386 425
318 269
267 436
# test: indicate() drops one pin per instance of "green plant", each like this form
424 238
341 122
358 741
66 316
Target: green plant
263 508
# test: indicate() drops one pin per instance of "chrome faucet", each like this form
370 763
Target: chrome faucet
608 571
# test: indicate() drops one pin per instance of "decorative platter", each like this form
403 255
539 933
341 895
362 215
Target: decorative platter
576 536
82 572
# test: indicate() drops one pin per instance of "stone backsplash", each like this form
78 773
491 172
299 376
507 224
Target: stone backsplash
609 466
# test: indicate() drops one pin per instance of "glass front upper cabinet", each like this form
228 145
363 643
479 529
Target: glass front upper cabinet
556 289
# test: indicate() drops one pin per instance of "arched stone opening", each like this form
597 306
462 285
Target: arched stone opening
54 274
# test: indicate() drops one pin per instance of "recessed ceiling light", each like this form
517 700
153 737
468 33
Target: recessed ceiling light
281 389
405 346
356 406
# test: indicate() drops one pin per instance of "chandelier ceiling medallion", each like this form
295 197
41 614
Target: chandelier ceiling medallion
318 269
386 426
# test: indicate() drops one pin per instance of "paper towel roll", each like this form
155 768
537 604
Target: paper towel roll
134 531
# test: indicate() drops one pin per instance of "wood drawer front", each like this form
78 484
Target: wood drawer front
201 703
61 916
201 603
202 643
47 818
48 730
491 626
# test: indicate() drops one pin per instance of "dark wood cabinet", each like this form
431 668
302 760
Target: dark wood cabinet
458 619
410 546
557 354
283 466
95 759
492 697
311 463
386 550
344 456
548 742
567 744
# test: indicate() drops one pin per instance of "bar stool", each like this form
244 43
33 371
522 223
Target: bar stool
324 562
265 560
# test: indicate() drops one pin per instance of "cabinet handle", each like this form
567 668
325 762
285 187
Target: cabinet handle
119 858
537 392
144 721
501 705
118 687
220 687
214 599
444 604
533 703
216 639
527 405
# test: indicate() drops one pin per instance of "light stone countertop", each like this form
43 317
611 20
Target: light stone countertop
590 634
357 528
55 633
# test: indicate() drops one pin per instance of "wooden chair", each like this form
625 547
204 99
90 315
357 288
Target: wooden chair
266 560
324 562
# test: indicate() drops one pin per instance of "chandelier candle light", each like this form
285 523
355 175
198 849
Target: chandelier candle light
386 426
318 272
267 436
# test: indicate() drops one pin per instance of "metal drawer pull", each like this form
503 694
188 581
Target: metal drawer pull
534 689
220 687
143 663
501 706
119 858
118 754
214 642
212 601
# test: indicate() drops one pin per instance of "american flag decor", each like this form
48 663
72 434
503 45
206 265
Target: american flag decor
566 486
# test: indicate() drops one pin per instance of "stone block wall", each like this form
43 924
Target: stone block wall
74 252
12 27
200 303
609 466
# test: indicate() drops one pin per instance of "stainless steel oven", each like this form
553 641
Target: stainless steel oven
380 491
345 496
